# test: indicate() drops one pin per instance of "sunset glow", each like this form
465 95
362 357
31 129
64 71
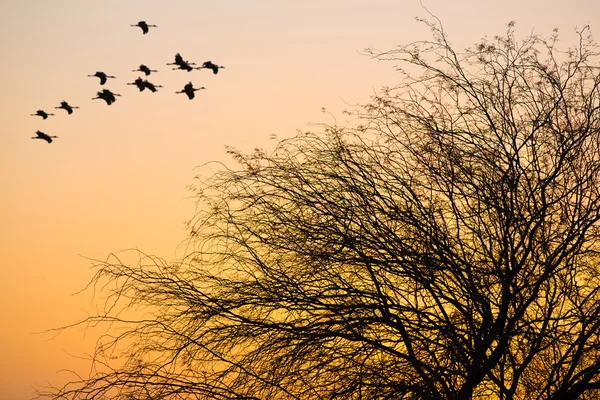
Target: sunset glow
116 176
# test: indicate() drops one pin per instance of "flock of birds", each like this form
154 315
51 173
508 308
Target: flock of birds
142 84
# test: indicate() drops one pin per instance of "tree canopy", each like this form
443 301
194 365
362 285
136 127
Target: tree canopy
442 245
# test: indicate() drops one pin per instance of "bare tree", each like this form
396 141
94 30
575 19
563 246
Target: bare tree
445 248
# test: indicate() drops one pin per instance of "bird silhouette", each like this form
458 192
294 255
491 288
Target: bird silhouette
65 106
107 96
185 66
179 60
144 26
182 64
139 82
189 90
144 69
151 86
210 65
43 136
103 77
42 114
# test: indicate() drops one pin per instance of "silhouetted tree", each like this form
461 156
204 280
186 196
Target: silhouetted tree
445 248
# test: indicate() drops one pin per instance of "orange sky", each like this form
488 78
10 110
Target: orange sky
116 177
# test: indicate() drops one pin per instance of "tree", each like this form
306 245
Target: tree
443 247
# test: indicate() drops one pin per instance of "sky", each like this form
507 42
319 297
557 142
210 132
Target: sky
116 177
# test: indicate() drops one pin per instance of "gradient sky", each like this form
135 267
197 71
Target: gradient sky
116 177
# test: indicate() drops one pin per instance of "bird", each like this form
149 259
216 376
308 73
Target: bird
139 82
66 106
103 77
144 69
179 60
182 64
150 86
43 136
107 96
186 66
144 26
210 65
42 114
189 90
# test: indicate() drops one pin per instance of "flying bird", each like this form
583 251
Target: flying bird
144 26
139 82
150 86
107 96
210 65
144 69
179 60
103 77
181 63
42 114
185 66
143 84
43 136
66 106
189 90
